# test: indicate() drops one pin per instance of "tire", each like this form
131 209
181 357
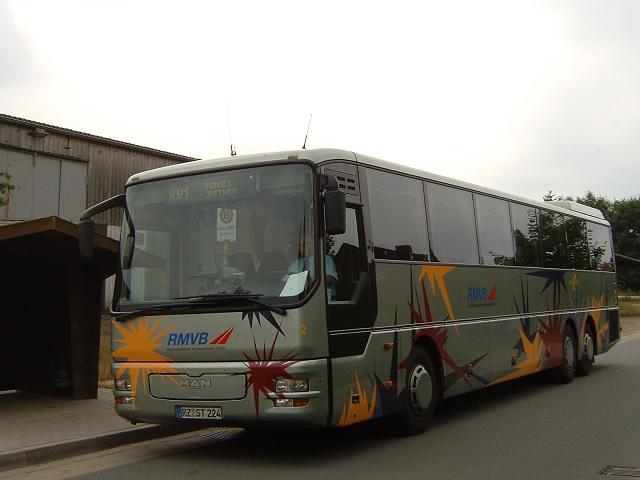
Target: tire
588 353
567 369
420 393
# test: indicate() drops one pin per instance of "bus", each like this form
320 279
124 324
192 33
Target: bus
326 288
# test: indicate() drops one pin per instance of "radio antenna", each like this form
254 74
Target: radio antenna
304 145
233 152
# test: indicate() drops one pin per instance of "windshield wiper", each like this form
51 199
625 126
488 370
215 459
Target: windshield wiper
251 298
199 301
161 306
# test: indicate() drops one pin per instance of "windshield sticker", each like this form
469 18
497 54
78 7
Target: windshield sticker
226 225
295 284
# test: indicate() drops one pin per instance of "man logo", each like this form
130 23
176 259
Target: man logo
196 383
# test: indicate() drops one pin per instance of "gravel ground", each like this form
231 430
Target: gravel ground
630 325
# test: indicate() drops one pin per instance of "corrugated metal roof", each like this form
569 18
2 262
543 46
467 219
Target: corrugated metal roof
95 138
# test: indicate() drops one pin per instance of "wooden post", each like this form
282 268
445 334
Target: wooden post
85 305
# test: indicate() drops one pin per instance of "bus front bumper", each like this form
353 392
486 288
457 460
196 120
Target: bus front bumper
233 394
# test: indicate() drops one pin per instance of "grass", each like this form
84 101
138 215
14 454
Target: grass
105 378
629 309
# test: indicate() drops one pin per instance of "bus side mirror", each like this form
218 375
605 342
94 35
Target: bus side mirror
85 227
335 212
85 239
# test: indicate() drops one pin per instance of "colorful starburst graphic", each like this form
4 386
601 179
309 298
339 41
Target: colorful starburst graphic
140 340
267 315
534 351
436 274
388 393
263 371
360 410
550 331
439 334
602 326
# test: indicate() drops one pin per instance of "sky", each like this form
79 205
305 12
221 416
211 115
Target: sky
520 96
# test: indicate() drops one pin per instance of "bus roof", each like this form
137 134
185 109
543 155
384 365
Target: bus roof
322 155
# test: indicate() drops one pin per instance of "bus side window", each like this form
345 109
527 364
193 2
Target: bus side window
345 251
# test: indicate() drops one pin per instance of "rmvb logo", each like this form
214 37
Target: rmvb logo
223 338
481 295
198 338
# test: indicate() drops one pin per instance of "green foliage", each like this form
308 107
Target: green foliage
624 216
625 222
600 202
5 189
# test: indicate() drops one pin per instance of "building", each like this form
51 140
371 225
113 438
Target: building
51 300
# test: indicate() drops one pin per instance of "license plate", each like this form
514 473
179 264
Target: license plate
212 413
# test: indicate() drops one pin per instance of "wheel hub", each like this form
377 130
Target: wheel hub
589 347
420 389
569 354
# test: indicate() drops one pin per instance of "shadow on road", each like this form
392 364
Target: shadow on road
274 447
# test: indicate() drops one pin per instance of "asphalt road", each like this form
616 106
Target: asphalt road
528 429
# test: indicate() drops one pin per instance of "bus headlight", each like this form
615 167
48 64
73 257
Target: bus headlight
286 385
123 384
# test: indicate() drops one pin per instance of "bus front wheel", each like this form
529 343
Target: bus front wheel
420 393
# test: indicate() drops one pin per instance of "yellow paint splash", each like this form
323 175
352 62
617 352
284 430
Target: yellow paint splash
598 302
534 352
359 412
435 274
139 343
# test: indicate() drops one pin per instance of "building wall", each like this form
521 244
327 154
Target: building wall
42 185
103 164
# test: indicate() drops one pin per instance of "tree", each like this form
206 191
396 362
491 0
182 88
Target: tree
624 217
625 224
5 189
600 202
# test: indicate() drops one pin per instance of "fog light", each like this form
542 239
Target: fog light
123 384
283 402
124 400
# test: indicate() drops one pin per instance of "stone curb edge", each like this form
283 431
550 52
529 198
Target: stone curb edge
56 451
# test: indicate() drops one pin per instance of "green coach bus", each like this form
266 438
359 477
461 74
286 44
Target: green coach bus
324 287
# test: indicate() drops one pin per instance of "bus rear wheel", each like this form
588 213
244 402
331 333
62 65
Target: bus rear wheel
567 369
420 393
588 354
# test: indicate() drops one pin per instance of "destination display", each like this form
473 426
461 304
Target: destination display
200 189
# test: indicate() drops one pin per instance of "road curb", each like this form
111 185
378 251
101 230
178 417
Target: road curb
79 446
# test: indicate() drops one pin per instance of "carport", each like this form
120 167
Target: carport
51 306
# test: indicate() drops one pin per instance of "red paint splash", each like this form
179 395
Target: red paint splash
551 335
263 371
437 334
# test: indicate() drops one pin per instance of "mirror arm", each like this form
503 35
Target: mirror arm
113 202
328 182
86 224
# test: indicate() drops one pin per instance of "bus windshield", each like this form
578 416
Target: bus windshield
240 232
